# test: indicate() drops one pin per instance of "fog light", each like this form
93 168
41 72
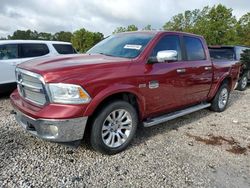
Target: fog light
53 130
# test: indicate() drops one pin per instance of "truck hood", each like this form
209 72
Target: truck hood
62 62
64 67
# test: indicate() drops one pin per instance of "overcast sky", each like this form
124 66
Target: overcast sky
98 15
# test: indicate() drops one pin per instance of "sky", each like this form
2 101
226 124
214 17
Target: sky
98 15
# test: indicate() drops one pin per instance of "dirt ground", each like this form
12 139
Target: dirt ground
203 149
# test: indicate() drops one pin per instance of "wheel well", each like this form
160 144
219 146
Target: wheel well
125 96
228 81
128 97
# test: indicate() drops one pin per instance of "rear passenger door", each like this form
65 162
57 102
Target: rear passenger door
198 71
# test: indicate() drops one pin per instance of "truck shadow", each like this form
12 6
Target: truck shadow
144 134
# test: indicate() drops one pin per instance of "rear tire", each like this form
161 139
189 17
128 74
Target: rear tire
114 127
242 85
220 101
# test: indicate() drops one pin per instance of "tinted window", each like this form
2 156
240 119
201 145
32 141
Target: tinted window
33 50
170 42
194 49
122 45
64 48
239 51
222 53
8 51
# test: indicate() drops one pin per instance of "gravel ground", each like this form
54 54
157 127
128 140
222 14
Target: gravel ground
203 149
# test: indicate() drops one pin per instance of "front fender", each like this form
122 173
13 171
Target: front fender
116 89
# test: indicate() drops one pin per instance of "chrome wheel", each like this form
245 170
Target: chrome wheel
116 128
244 82
223 97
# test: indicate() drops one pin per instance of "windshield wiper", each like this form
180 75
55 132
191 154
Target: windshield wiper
106 54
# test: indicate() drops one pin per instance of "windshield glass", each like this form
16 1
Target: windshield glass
222 53
128 45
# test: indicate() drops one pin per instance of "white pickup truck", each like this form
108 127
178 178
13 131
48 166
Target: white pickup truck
14 52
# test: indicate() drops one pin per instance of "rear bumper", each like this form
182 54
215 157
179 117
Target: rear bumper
57 130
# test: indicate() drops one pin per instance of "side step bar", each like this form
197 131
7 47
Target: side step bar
173 115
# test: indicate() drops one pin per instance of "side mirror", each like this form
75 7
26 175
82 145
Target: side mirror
167 55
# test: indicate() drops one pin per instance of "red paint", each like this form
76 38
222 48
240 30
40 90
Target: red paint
103 76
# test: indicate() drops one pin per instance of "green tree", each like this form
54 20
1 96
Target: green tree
124 29
245 58
63 36
83 40
45 36
25 35
216 24
147 28
243 30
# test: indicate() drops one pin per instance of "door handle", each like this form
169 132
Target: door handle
181 70
207 68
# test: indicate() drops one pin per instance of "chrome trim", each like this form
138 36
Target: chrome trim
173 115
67 130
40 78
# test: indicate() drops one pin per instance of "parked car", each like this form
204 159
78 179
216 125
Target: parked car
233 53
126 79
14 52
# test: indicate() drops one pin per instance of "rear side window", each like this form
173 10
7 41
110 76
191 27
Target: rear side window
169 42
222 53
194 49
64 48
8 51
33 50
239 50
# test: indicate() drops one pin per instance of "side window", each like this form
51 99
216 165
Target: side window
170 42
64 48
194 48
8 51
239 50
33 50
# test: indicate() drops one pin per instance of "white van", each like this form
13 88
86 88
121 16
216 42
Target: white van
14 52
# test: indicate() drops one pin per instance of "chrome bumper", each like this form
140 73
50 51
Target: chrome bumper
57 130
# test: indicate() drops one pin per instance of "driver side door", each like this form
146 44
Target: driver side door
166 83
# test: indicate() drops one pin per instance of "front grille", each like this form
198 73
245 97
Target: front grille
30 86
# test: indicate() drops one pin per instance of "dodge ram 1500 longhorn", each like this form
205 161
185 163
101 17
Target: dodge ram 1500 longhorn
126 80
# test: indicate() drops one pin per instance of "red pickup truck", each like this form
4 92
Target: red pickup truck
126 80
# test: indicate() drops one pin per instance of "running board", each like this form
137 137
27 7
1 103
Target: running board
173 115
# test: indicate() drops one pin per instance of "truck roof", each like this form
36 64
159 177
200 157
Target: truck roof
32 41
154 32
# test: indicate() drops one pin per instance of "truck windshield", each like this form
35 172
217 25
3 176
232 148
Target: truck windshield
222 53
128 45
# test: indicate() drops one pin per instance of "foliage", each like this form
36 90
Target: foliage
243 30
124 29
83 40
63 36
216 24
147 28
245 58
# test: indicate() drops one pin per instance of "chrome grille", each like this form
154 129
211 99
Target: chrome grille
30 86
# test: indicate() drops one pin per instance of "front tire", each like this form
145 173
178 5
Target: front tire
242 85
114 127
220 101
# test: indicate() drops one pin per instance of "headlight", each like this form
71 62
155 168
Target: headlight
68 94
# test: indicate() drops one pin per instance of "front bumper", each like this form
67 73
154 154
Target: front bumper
57 130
